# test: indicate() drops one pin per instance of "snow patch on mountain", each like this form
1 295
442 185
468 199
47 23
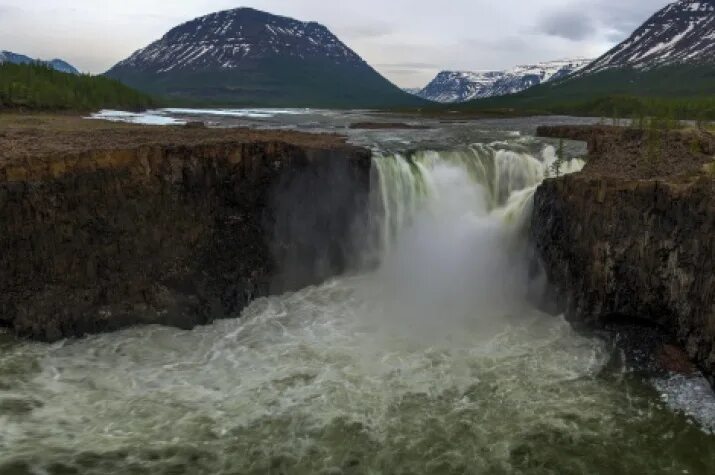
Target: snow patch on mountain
461 86
231 39
681 33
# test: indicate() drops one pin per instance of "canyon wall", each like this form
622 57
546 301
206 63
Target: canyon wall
97 238
632 237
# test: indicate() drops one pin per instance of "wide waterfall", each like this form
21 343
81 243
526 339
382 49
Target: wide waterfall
501 180
453 235
433 362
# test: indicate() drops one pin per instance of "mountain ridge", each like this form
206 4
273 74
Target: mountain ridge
682 32
666 67
56 64
462 86
246 56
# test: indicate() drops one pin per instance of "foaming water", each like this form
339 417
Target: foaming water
435 362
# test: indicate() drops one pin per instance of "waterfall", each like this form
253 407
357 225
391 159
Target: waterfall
506 177
452 227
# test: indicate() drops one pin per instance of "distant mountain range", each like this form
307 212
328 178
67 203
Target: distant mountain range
57 64
249 57
246 57
670 57
461 86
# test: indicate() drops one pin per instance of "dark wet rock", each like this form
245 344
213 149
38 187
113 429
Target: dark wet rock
171 233
632 238
643 348
674 359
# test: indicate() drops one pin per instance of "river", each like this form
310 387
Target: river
437 361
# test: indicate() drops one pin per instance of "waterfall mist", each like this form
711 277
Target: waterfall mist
454 241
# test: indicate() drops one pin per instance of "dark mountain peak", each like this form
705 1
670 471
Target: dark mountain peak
248 14
683 32
232 39
247 56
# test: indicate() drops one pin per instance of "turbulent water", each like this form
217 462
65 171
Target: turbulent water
435 362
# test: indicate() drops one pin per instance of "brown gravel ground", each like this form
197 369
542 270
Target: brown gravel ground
41 136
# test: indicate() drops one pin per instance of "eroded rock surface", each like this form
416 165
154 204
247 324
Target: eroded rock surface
632 237
168 225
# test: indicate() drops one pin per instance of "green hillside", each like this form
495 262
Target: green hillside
39 87
683 91
274 82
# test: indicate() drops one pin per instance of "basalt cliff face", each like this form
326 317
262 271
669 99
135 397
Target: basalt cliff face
632 237
131 225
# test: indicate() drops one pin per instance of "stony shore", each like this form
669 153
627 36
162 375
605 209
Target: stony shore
632 237
107 225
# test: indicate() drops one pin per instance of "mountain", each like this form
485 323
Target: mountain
412 90
666 67
62 66
57 64
249 57
681 33
461 86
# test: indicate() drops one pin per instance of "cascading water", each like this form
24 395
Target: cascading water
435 362
504 178
453 236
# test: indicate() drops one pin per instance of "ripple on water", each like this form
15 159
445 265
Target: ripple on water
304 384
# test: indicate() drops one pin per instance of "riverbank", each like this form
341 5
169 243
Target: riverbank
630 238
107 225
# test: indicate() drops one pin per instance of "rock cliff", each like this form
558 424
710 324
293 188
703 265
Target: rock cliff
632 237
119 225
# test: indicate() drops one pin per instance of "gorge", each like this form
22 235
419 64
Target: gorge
396 330
631 236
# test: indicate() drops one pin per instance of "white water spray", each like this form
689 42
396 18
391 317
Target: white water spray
506 180
453 238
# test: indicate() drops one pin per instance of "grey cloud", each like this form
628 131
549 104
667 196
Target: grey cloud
504 44
410 66
570 25
591 18
366 32
8 11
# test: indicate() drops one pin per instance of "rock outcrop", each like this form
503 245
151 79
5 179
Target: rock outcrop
632 237
107 228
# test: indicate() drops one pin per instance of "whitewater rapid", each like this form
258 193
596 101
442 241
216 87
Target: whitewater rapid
434 362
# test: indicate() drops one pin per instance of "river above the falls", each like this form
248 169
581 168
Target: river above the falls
434 362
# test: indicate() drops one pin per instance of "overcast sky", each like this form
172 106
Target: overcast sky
409 41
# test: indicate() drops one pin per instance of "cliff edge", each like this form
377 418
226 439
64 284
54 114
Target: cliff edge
632 236
108 225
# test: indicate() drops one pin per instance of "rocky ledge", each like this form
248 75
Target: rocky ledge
108 225
632 237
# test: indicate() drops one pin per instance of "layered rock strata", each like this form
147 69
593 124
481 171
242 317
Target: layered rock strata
118 225
632 237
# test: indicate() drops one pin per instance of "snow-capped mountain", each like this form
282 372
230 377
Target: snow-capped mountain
229 39
246 56
681 33
58 64
461 86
